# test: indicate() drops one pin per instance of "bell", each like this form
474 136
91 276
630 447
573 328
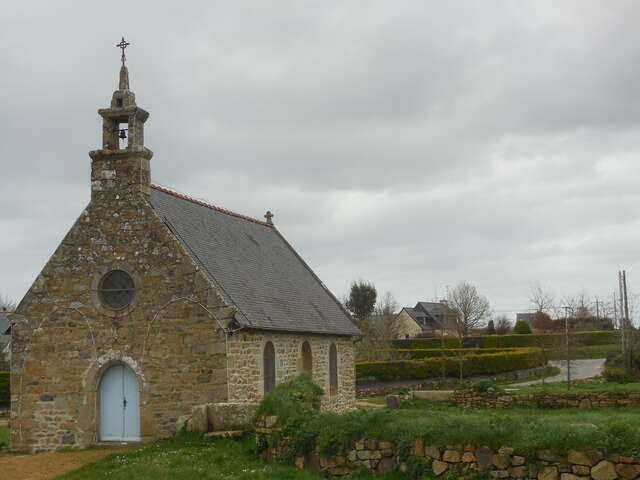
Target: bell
122 135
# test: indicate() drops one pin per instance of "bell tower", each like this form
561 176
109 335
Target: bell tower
121 167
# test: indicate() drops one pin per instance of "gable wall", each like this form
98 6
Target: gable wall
404 326
246 376
63 340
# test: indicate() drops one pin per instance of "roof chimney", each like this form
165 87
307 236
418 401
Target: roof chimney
269 217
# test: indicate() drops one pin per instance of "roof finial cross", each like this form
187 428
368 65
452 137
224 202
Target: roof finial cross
123 44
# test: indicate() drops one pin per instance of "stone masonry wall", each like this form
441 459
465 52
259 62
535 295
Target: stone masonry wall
64 339
381 457
246 379
465 398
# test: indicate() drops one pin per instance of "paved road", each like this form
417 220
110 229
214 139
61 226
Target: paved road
580 369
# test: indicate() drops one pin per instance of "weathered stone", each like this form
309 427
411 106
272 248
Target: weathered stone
385 445
439 467
569 476
360 444
393 401
467 457
581 470
517 472
199 420
501 461
484 458
580 458
363 454
604 470
371 444
548 473
417 448
451 456
299 462
230 416
432 451
628 471
621 459
517 460
505 451
585 404
270 421
386 465
499 473
549 456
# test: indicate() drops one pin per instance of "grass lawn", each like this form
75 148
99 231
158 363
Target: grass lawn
4 440
190 456
580 386
610 430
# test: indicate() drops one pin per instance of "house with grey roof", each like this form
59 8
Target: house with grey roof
425 319
157 307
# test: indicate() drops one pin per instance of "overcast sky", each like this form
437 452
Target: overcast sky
415 144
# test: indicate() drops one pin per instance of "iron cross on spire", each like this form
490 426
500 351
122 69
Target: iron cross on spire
123 44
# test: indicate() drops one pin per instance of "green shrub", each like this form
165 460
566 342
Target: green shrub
546 340
473 364
418 353
5 390
485 386
551 340
616 367
522 328
291 400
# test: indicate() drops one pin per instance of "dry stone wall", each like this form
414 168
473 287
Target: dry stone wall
246 376
465 399
382 457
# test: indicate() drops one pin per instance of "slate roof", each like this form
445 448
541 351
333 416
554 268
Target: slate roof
438 316
253 267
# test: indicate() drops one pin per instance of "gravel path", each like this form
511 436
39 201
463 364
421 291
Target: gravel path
580 369
46 466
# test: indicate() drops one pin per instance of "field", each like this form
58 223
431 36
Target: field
580 387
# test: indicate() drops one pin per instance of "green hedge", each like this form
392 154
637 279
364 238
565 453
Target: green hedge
475 364
551 340
5 392
547 340
418 353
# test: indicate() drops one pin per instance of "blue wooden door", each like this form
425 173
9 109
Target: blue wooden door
119 405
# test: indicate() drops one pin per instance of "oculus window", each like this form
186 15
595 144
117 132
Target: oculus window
116 289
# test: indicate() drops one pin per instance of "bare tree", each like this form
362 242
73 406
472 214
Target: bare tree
6 304
379 331
541 298
503 325
471 308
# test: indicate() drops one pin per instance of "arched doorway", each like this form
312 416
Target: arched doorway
119 405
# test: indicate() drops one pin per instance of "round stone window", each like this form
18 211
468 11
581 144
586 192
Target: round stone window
116 289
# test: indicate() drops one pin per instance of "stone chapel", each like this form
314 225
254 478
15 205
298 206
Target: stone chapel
155 302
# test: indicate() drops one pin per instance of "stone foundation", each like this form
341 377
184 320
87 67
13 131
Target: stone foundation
466 399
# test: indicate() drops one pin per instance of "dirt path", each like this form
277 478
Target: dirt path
46 466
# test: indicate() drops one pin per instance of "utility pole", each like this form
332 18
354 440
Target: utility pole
622 322
597 310
629 345
615 311
566 334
